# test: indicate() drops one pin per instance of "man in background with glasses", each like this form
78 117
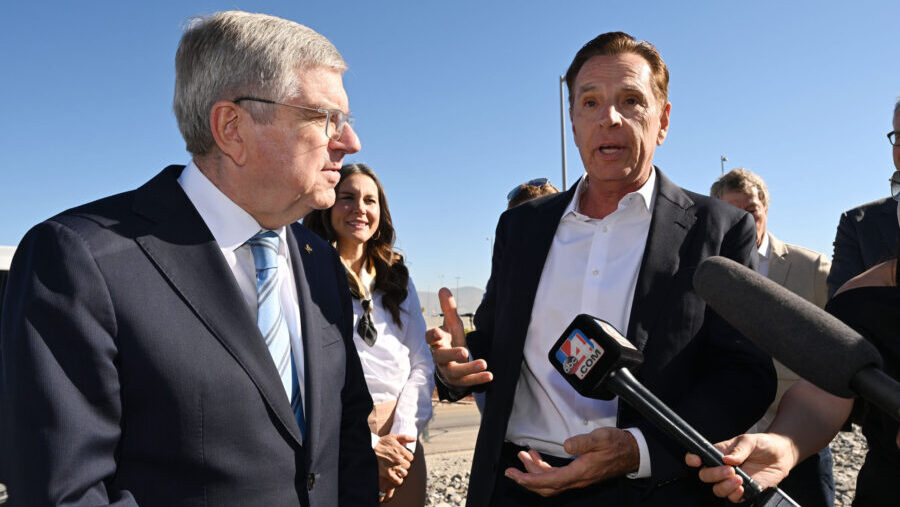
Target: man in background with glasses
868 235
187 342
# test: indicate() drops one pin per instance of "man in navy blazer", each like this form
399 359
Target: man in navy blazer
622 244
134 371
867 235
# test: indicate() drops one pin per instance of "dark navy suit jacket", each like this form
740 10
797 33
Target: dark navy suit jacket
866 235
133 373
693 361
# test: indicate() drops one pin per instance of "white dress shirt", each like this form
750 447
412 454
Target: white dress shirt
763 251
592 267
399 365
231 227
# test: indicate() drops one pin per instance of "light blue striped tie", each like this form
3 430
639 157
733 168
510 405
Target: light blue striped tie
270 317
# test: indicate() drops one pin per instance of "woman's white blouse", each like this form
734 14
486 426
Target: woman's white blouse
399 365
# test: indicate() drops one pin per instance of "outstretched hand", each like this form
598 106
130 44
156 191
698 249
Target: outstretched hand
765 457
448 348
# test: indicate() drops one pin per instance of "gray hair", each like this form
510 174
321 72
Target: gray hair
231 54
897 106
741 180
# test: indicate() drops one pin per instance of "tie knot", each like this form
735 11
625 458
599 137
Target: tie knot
264 246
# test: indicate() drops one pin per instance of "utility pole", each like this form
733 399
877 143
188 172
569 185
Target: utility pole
562 129
723 159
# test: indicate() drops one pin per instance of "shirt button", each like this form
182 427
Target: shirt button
595 272
585 422
604 229
310 482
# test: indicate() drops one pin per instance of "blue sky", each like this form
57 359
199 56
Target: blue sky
456 102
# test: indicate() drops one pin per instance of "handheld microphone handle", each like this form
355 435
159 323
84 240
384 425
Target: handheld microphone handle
878 388
622 383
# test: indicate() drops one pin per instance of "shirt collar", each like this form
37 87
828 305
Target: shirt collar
646 193
764 247
230 225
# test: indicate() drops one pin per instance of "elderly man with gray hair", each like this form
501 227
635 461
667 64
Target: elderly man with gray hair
187 343
804 273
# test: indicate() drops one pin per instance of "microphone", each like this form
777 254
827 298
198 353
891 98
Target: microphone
596 360
802 336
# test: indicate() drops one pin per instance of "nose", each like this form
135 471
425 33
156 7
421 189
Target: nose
349 141
609 116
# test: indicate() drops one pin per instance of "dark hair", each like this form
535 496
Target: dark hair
391 274
528 192
617 43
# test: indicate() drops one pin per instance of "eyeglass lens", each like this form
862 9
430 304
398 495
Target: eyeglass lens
337 122
892 137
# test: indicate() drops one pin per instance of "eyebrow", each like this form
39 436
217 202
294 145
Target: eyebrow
625 88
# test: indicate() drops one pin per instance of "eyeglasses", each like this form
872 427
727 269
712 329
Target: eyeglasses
536 183
335 119
895 185
892 138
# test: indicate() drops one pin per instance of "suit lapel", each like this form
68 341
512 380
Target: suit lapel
887 226
316 362
671 220
182 248
531 250
779 265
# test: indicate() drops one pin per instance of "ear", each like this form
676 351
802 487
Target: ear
224 121
572 122
663 124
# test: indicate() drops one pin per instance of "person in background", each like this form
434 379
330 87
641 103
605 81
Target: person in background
529 190
187 342
868 234
803 272
390 330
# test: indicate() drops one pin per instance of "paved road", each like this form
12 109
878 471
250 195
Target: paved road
453 428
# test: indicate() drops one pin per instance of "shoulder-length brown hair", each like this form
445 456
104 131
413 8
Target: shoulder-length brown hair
391 274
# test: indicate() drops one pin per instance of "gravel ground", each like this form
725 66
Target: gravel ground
448 479
849 449
448 475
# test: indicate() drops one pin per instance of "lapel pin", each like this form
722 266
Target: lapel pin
308 249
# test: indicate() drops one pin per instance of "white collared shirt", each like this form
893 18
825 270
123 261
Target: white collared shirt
399 365
592 267
231 227
764 251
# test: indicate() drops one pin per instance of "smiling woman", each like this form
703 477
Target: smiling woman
390 330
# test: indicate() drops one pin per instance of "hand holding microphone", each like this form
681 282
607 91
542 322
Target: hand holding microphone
595 359
809 341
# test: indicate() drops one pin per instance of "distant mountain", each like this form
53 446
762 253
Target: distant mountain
467 301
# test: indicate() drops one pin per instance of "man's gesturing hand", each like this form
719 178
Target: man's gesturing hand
602 454
448 347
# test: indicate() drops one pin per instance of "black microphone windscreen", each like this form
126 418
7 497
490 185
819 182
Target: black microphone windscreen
805 338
